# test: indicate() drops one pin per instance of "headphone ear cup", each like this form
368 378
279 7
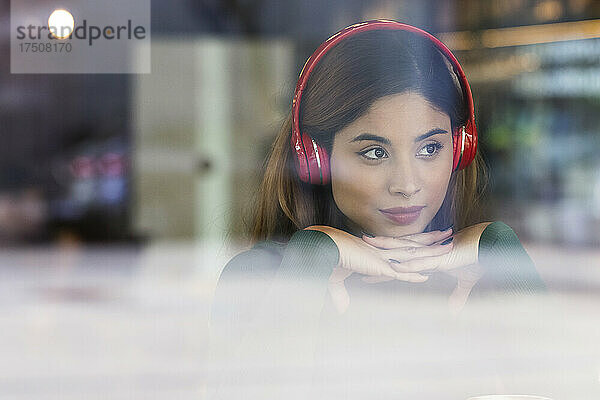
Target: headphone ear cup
325 170
301 161
313 156
471 139
457 138
468 148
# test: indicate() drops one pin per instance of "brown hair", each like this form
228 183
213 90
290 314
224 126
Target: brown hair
341 88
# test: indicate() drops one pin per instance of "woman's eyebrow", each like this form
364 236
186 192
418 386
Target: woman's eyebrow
381 139
430 133
370 136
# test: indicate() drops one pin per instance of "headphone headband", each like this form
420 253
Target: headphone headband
378 24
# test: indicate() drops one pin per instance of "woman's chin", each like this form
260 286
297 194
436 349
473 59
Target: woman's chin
397 232
394 230
391 229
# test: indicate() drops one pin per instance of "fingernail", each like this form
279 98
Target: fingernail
447 241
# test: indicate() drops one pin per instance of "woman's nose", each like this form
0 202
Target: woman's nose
404 179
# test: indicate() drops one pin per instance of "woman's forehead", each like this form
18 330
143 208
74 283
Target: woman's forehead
405 115
406 105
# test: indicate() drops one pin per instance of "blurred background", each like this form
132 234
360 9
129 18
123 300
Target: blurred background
122 195
175 154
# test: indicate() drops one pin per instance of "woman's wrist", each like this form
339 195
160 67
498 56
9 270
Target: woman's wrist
472 236
466 246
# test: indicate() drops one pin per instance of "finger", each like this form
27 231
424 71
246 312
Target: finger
444 240
409 253
388 242
384 269
339 274
428 238
429 264
376 279
339 296
413 278
415 240
458 298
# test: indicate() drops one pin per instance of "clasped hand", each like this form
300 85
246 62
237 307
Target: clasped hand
410 258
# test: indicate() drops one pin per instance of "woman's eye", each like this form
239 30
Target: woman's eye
374 154
430 149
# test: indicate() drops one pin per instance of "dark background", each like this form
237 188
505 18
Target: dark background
541 142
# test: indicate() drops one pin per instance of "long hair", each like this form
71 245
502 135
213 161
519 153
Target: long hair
341 88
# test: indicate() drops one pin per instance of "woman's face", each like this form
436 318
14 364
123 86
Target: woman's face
399 154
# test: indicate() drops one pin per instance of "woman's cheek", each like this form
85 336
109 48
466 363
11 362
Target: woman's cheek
438 184
353 174
354 186
342 169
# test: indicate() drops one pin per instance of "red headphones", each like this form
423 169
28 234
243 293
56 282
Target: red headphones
312 161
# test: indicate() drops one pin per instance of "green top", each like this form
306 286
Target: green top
276 287
258 278
312 254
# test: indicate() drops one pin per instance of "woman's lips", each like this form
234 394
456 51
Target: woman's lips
403 215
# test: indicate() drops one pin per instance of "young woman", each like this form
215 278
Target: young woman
372 182
388 103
